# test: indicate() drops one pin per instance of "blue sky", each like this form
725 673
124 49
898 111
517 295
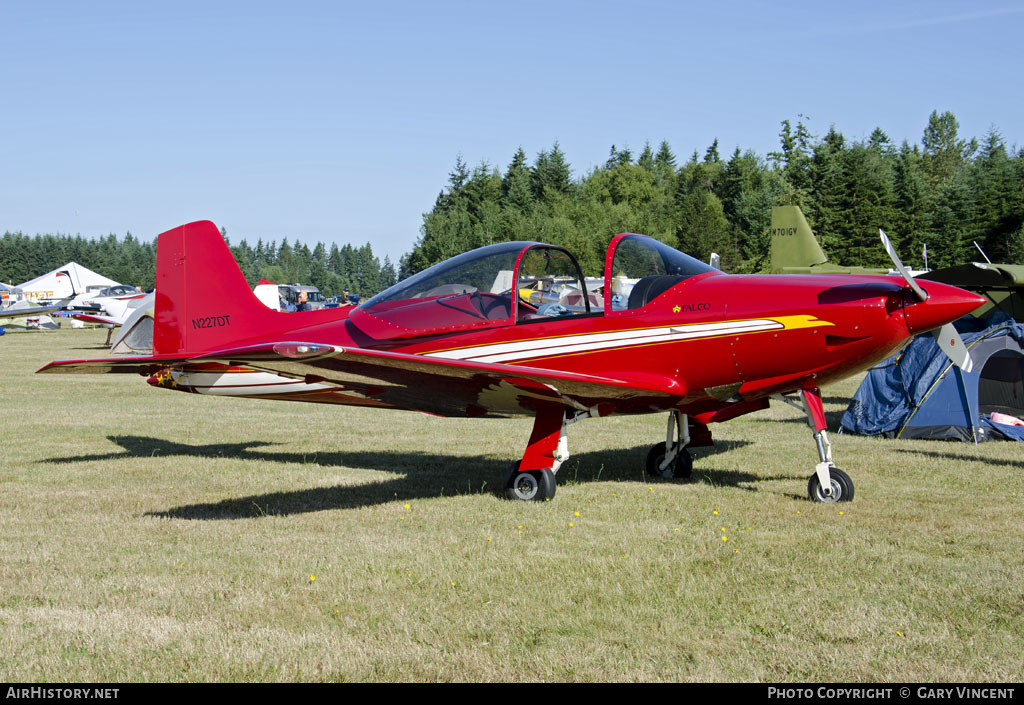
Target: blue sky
339 122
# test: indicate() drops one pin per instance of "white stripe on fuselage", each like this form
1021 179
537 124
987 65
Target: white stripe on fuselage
544 347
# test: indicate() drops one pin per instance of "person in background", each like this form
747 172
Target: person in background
303 300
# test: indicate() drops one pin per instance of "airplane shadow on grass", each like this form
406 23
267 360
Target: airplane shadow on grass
422 474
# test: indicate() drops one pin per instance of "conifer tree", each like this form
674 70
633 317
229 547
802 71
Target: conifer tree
944 151
910 205
646 159
516 191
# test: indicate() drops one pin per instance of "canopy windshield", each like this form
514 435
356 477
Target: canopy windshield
487 269
643 268
549 284
471 290
496 285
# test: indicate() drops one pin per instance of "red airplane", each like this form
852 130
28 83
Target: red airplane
514 328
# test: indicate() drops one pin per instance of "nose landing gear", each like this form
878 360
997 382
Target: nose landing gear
840 487
828 483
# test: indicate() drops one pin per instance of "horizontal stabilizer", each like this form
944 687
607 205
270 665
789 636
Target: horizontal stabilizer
112 365
96 318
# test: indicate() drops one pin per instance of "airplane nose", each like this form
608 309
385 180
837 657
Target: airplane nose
944 304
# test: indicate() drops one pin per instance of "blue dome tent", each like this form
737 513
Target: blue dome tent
919 393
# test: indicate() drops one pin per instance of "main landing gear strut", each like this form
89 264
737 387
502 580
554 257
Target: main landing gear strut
533 477
828 483
672 459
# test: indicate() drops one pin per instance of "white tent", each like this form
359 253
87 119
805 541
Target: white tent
57 284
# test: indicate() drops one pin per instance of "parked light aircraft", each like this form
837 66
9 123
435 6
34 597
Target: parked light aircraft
111 301
795 250
35 313
111 304
1001 284
30 316
117 312
461 339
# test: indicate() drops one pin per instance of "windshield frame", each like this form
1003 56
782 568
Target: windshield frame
375 315
372 315
403 289
700 269
518 277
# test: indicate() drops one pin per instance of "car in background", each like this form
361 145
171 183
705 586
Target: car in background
340 300
290 296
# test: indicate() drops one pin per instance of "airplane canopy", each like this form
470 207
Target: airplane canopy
521 282
495 285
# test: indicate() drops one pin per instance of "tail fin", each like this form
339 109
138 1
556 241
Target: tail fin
793 243
202 299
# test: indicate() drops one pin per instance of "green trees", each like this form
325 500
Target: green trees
944 194
701 226
130 261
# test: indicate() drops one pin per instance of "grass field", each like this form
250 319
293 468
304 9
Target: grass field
154 536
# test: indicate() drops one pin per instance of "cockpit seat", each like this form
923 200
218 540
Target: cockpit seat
649 288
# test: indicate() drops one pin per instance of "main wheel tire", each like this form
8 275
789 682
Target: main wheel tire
842 488
680 468
534 485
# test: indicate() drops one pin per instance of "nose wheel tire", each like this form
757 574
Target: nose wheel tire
680 468
535 485
842 488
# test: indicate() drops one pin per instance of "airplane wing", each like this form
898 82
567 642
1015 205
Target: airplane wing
417 382
29 311
97 318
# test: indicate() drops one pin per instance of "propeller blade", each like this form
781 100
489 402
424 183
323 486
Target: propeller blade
947 337
891 251
953 345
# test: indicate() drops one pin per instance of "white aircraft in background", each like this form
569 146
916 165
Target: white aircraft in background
111 301
117 312
26 314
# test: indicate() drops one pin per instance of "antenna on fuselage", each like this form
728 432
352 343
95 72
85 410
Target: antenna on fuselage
982 252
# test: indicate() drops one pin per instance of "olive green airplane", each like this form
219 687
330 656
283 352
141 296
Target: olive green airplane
1001 284
795 250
